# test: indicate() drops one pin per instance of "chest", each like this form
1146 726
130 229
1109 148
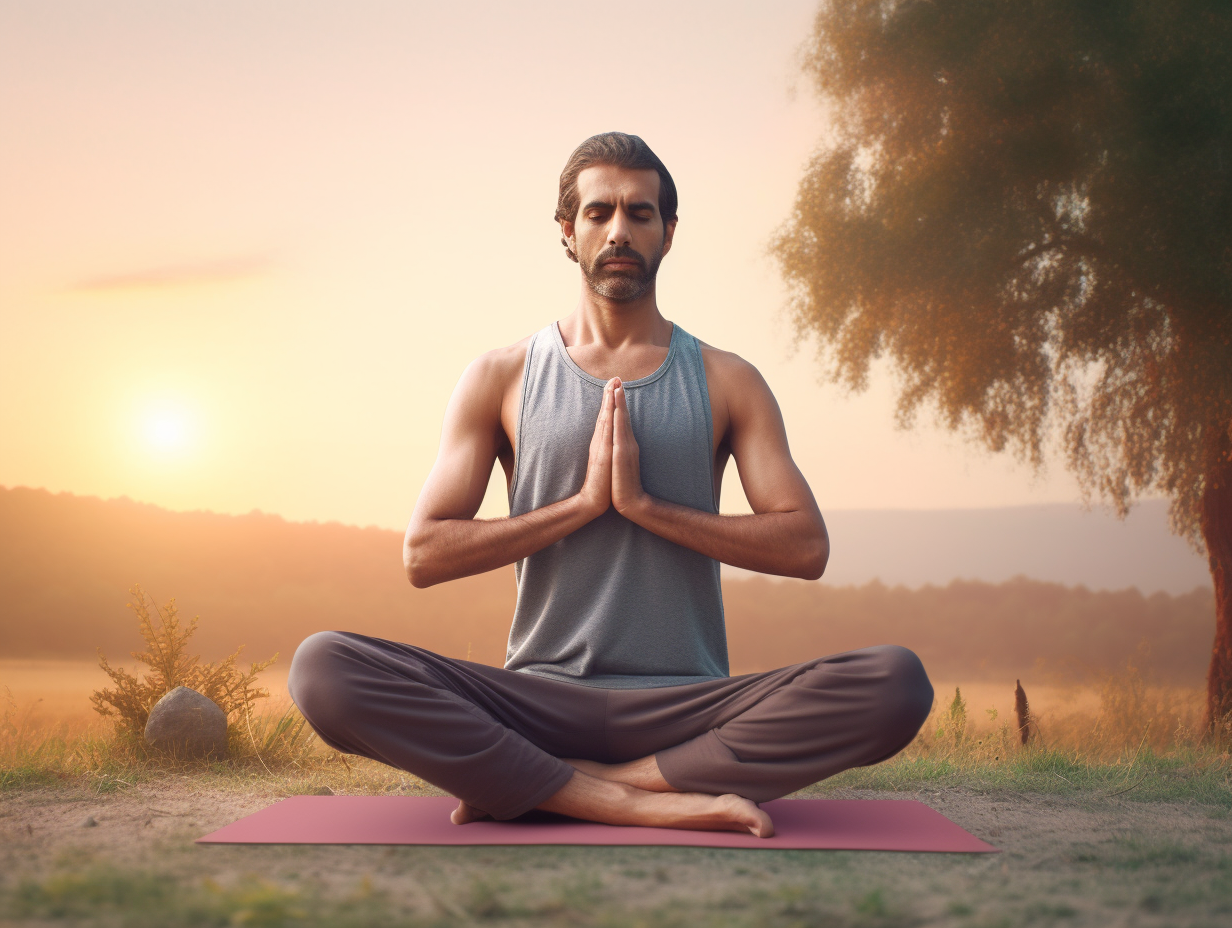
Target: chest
579 421
669 414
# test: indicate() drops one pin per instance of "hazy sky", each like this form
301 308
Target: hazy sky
246 249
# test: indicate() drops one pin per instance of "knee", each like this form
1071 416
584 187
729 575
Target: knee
905 693
318 680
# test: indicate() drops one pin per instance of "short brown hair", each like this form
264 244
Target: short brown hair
619 150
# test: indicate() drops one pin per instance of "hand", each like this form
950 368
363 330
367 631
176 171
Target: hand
596 492
627 492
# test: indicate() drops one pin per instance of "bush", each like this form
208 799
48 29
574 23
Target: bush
166 654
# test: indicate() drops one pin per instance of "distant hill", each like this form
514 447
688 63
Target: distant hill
66 563
1057 542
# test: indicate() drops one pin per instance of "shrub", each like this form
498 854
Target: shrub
166 654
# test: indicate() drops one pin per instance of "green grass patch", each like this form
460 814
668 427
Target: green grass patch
110 896
1186 775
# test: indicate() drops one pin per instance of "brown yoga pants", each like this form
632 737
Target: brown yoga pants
495 738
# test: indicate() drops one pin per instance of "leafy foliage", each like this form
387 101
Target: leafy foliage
1027 205
171 665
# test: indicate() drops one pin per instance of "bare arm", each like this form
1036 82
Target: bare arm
444 540
785 535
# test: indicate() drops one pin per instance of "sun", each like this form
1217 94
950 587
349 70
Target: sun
167 430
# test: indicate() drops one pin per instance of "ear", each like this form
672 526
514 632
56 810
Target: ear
669 232
566 230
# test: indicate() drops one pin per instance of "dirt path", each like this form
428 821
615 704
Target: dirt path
1085 861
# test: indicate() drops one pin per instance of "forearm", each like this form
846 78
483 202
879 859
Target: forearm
787 544
437 550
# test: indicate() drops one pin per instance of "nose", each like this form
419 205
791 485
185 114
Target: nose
618 232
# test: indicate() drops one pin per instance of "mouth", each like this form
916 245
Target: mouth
621 264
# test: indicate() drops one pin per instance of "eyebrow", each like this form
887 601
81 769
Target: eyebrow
633 207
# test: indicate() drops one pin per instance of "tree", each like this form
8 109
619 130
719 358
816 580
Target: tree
1026 206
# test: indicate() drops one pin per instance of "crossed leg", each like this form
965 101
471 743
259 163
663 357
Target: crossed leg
705 753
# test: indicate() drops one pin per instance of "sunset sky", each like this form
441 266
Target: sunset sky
246 249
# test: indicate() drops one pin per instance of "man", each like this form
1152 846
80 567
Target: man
615 705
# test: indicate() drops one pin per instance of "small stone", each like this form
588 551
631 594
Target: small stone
322 791
88 822
186 723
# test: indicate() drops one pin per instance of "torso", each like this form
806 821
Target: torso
612 604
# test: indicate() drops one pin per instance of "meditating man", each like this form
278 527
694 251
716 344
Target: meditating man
613 427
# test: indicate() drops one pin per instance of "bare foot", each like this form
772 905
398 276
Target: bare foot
464 813
726 813
601 800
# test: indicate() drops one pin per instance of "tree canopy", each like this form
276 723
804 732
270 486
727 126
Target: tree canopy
1026 205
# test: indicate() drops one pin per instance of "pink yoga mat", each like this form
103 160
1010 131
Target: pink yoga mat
831 824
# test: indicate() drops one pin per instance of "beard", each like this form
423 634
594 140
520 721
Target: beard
623 286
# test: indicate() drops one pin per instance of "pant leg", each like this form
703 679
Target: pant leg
821 717
452 723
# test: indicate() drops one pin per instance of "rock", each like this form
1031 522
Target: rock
187 724
88 822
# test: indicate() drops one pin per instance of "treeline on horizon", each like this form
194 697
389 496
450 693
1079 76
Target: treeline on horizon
67 562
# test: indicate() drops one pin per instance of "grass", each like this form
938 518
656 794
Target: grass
107 895
1172 879
1136 750
673 888
1193 774
145 898
278 744
1141 744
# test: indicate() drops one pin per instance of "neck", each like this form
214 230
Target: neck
597 320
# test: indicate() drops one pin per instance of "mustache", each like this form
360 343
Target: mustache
625 252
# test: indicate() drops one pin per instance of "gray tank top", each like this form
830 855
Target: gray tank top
612 604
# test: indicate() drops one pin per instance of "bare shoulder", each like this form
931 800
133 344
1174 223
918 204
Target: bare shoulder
730 373
494 373
499 364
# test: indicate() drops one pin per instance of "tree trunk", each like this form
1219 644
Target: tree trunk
1217 532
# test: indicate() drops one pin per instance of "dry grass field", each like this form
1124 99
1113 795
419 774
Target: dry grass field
1113 814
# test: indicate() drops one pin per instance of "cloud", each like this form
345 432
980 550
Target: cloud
224 270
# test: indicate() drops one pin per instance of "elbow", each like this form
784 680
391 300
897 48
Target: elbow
417 567
419 579
816 556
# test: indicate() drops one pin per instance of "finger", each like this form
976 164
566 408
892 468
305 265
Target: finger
609 421
622 414
605 407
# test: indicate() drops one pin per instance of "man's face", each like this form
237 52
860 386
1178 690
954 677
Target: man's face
619 236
